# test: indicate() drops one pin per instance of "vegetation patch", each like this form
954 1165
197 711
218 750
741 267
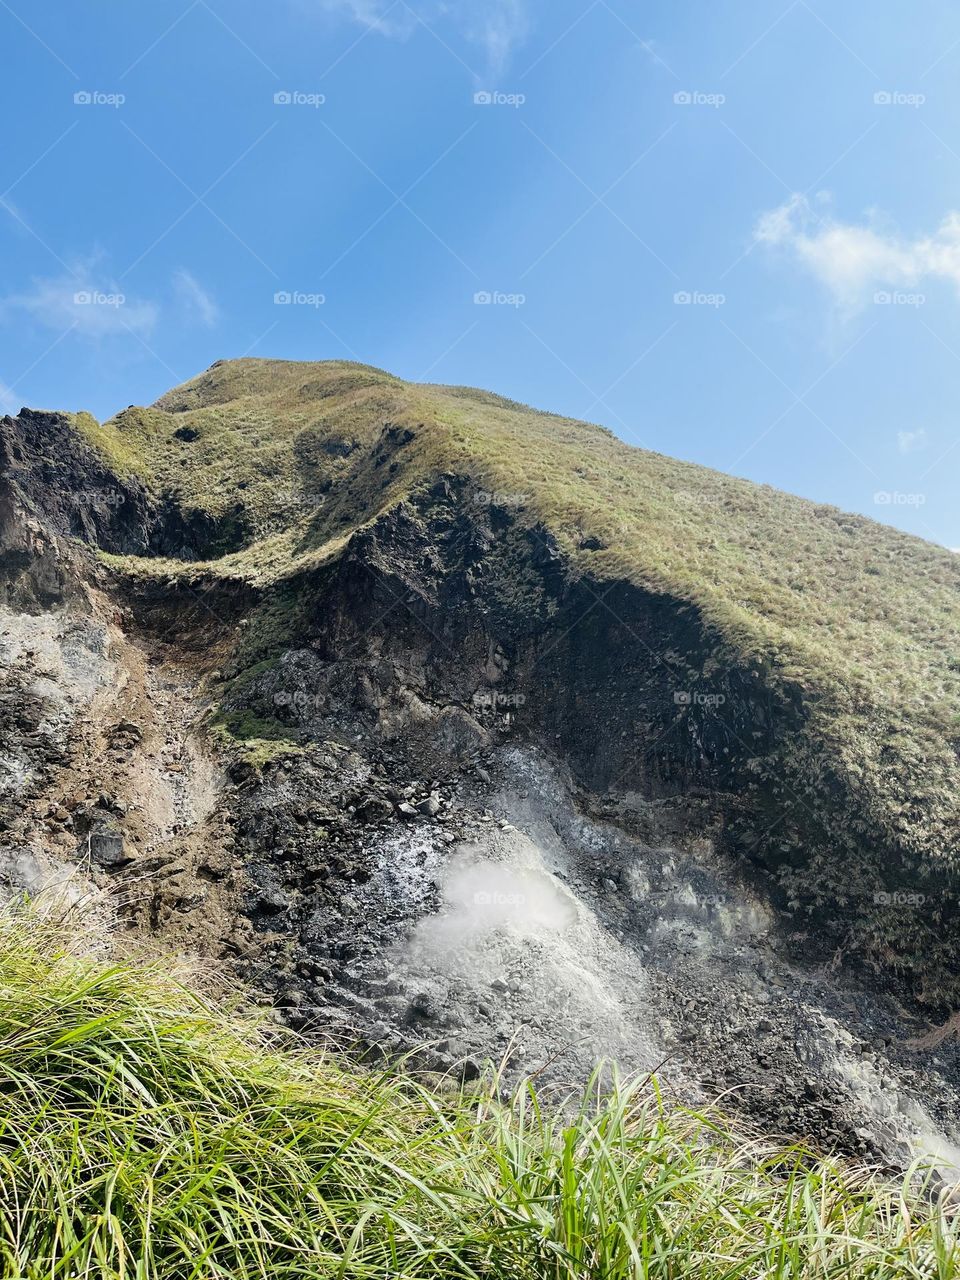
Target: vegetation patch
252 738
147 1132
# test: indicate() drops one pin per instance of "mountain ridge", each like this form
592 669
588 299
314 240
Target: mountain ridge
360 610
241 444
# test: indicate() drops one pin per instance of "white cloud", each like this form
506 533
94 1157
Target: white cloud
853 260
379 15
85 299
495 26
911 441
196 301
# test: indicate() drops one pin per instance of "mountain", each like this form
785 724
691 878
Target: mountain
448 721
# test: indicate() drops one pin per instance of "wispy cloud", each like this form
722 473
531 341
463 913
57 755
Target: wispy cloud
195 300
496 27
855 259
912 441
390 19
85 299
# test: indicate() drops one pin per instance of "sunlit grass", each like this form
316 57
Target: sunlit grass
146 1132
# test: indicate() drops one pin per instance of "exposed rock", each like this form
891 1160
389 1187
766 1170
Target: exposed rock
430 806
105 845
374 808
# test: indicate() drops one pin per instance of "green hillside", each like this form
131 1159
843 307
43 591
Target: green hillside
862 620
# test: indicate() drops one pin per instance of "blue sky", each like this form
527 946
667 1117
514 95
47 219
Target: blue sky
728 231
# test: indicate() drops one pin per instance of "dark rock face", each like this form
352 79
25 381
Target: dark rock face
61 480
447 618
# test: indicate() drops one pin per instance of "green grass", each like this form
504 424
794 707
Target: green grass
148 1132
249 738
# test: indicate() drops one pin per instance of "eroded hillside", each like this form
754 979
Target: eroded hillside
462 728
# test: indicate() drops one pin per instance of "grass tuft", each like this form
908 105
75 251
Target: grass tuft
146 1132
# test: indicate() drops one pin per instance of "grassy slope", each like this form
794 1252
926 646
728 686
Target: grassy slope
864 619
144 1133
